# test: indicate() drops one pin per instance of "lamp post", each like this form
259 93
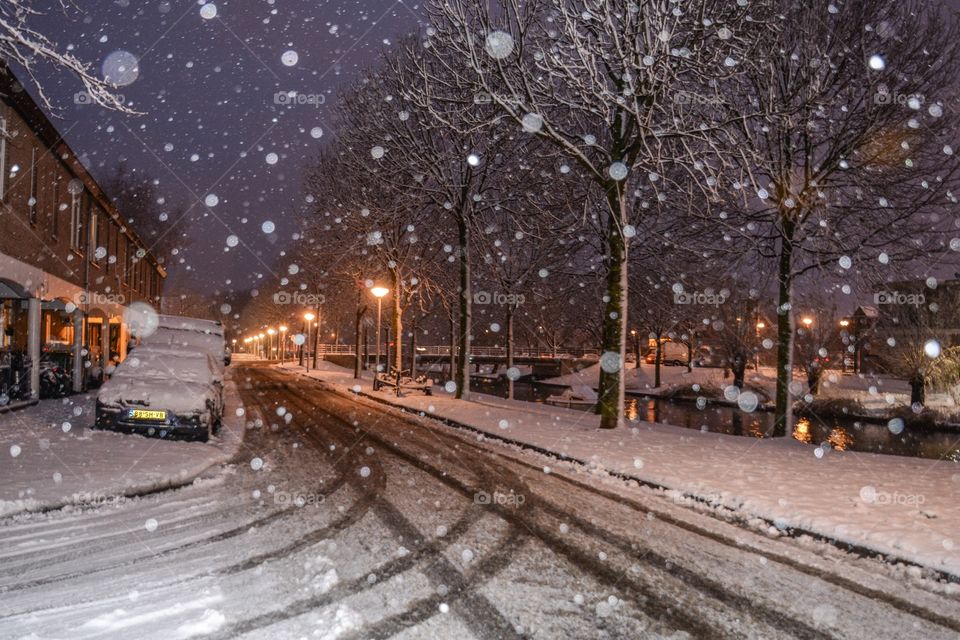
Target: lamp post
636 348
283 342
760 325
378 292
262 350
271 332
306 343
844 323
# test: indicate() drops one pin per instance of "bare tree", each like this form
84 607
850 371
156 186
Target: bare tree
920 329
598 82
852 136
24 46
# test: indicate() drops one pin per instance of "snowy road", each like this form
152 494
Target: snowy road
347 520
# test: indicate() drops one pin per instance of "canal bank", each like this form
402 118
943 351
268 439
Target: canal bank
842 433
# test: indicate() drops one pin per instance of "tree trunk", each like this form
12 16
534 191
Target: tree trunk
316 339
466 312
366 348
413 346
918 388
783 416
739 369
356 333
613 351
453 344
510 352
814 371
657 362
397 322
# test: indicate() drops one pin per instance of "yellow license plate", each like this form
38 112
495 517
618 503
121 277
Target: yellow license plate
144 414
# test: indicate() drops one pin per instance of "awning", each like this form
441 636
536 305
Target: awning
54 305
10 289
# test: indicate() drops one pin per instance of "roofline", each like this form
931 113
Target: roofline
13 93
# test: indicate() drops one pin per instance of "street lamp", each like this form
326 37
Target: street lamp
760 326
378 292
283 342
844 323
308 317
807 321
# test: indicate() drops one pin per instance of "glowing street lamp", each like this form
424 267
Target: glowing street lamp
379 293
308 318
807 321
761 325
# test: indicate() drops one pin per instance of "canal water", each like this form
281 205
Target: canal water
839 434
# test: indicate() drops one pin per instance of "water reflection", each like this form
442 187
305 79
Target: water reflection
843 435
840 439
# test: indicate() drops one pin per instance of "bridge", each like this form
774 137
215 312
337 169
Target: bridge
545 362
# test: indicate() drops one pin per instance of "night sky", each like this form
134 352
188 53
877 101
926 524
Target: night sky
207 82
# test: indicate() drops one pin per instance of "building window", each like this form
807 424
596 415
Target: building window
94 236
3 158
32 202
76 217
55 211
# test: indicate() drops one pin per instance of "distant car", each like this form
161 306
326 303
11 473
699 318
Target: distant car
671 354
163 391
708 359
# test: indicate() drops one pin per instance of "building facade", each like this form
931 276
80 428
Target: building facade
69 263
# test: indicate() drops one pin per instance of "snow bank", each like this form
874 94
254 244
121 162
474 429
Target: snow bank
897 506
50 458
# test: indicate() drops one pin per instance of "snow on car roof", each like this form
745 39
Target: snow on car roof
182 323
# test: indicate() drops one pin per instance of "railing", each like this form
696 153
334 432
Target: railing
444 350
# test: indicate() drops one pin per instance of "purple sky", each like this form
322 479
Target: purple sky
208 88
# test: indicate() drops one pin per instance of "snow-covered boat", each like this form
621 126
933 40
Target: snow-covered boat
579 396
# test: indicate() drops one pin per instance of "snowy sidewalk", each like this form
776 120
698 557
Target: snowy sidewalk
902 507
50 458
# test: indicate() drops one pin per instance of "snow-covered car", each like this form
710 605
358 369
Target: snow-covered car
163 391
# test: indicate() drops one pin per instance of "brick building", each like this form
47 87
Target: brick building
69 263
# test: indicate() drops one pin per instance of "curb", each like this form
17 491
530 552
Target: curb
16 406
231 397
